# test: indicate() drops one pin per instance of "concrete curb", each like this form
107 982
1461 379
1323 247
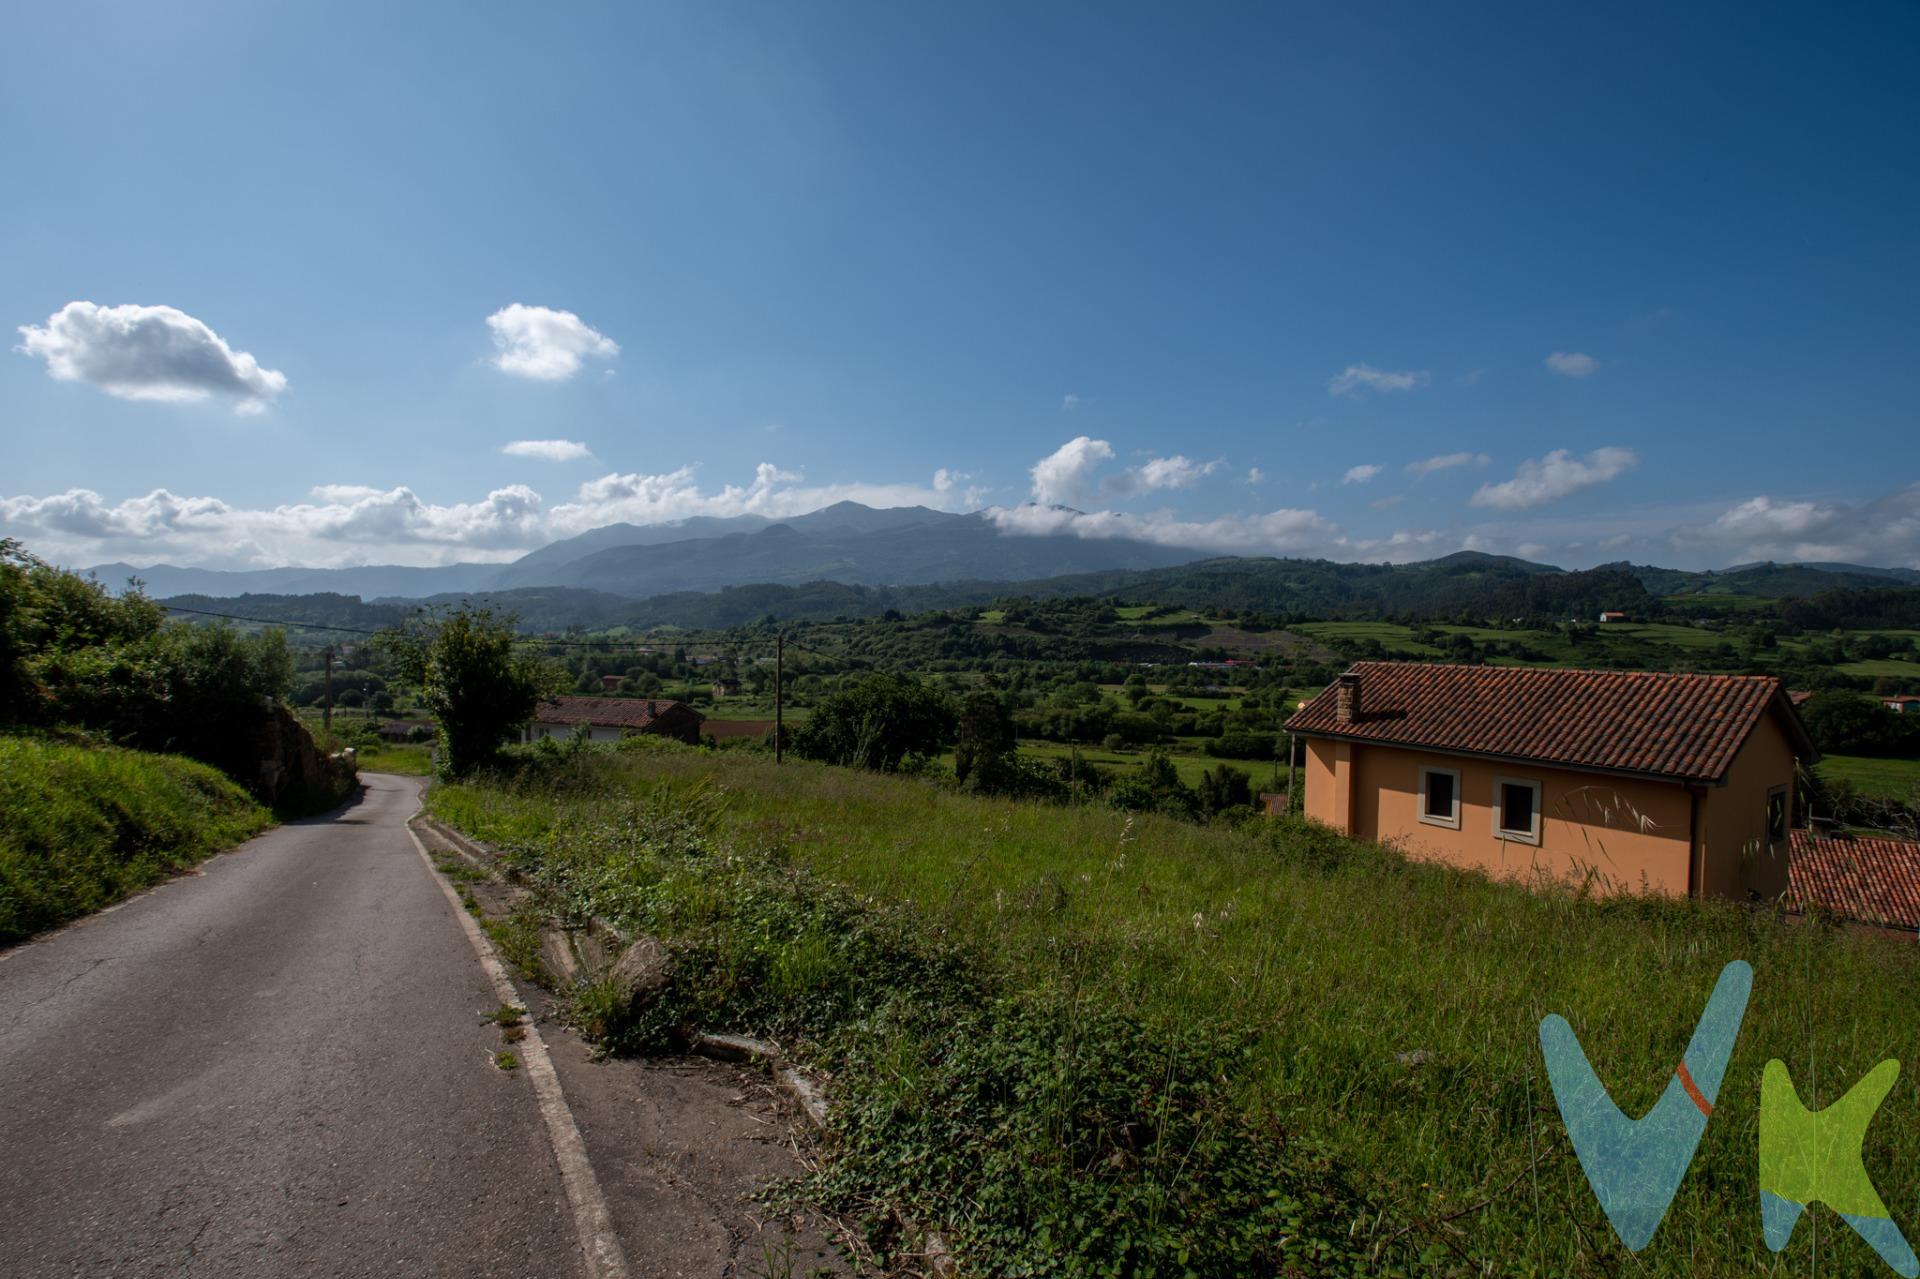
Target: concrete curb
806 1092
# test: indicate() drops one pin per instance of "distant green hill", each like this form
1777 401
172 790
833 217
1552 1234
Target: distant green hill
1467 584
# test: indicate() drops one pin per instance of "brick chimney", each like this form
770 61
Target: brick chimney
1346 698
653 708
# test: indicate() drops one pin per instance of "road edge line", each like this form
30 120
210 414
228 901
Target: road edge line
592 1219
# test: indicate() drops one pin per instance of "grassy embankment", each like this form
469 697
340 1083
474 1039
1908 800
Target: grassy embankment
83 826
1334 959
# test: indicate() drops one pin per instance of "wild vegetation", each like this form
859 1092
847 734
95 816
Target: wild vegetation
101 697
1090 1042
81 826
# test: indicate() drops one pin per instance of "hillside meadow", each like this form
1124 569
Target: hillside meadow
1387 1011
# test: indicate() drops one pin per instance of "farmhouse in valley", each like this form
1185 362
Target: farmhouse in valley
1633 781
608 719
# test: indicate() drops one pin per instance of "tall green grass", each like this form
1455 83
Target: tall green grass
1392 1007
1883 778
83 826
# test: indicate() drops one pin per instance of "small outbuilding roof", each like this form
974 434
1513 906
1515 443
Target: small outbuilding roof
1872 881
721 729
1679 727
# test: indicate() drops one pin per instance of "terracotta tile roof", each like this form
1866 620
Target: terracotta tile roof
1874 881
1682 727
637 713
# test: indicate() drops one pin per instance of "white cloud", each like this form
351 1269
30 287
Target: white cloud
1063 476
1427 466
1574 364
1559 474
148 353
1360 474
944 479
544 344
1387 503
344 524
1069 401
1066 475
548 450
1357 378
1531 550
1159 473
1272 533
1256 476
1883 531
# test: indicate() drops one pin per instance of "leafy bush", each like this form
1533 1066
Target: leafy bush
1243 746
1849 724
72 655
876 724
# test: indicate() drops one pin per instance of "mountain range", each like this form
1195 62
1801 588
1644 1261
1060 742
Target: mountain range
847 542
876 551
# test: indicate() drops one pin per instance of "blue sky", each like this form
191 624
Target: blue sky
1650 275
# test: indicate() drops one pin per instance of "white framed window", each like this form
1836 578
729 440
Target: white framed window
1516 810
1440 797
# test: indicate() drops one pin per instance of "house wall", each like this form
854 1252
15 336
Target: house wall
1737 860
1633 835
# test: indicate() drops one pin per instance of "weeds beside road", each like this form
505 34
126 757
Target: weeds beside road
1080 1040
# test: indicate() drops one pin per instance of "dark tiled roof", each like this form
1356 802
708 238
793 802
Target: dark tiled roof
1685 727
723 728
1874 881
604 712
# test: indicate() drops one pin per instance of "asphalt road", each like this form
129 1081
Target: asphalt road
275 1066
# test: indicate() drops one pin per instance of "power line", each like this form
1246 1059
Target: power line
267 621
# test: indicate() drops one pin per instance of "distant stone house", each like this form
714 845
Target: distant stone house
612 683
726 688
1628 781
1613 615
608 719
1905 704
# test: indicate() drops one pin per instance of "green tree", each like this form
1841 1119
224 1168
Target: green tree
472 681
985 739
876 723
1156 787
1223 788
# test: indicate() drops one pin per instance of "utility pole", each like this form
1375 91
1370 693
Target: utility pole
327 714
1291 795
779 692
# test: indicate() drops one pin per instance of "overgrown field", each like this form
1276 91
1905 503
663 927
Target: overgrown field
83 826
1314 995
1886 778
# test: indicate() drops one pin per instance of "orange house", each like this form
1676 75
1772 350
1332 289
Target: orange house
1631 781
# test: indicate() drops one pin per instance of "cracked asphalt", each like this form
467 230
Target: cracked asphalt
273 1066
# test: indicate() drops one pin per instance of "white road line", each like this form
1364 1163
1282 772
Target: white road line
592 1220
